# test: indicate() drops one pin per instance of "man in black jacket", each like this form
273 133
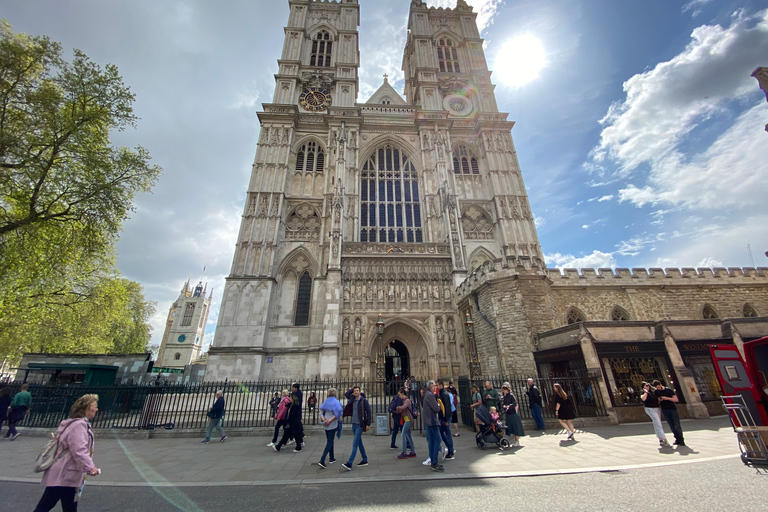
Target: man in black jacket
358 408
534 400
394 404
216 414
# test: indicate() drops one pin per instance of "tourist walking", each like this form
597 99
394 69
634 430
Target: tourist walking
5 403
293 427
358 408
445 420
430 411
73 462
490 396
281 415
667 400
330 415
20 405
510 405
534 402
405 410
477 401
216 414
651 406
564 410
454 410
396 425
274 403
311 402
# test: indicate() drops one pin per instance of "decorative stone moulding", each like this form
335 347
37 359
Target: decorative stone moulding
394 249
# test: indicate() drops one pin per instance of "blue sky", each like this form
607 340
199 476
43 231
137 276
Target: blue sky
641 139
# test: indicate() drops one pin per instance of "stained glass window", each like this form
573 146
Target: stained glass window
390 209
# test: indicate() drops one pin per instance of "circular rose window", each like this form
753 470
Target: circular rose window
457 105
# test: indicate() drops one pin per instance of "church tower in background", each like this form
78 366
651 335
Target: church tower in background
360 211
182 341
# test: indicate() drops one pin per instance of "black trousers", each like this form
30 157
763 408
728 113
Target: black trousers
296 432
52 495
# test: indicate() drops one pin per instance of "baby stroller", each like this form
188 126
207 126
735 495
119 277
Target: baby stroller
490 431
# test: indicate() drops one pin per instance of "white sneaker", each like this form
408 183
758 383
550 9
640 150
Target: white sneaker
445 452
271 444
427 462
290 441
516 444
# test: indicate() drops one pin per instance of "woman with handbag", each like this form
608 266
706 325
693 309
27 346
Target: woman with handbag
406 420
514 423
73 462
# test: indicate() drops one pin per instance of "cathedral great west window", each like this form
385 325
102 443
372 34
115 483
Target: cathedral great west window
390 203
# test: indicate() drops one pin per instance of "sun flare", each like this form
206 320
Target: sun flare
520 60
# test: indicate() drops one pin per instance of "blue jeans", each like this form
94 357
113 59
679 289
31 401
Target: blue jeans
408 438
537 416
433 443
214 423
673 420
445 433
395 430
329 435
357 431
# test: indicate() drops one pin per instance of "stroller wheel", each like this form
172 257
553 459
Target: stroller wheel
504 443
481 444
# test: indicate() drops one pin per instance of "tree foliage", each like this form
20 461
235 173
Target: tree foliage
65 192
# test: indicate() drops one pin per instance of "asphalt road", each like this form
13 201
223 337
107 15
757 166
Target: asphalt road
725 485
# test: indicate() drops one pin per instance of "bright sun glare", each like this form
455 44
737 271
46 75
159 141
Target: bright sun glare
519 60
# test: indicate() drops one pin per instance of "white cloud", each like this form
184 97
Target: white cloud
585 226
709 262
695 6
597 259
600 199
667 102
539 221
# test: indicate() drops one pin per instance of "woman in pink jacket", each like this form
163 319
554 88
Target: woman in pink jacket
73 460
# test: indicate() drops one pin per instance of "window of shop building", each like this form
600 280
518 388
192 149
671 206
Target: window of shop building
619 314
749 311
575 316
704 375
626 374
708 312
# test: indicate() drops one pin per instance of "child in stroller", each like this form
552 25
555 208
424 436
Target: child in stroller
490 431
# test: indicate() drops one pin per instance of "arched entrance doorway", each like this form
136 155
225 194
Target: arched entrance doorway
398 361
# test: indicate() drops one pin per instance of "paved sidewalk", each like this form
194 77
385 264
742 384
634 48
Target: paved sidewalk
183 462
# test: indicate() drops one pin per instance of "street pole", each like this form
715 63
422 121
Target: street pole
475 372
380 361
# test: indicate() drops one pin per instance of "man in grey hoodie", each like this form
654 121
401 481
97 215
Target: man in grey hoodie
430 411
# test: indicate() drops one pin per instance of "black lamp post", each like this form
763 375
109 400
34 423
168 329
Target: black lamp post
381 374
474 364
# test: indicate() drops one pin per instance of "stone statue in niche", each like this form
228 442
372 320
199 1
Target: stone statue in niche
440 333
435 293
359 292
345 331
414 293
402 291
447 293
424 293
358 334
451 331
369 291
346 292
391 291
380 294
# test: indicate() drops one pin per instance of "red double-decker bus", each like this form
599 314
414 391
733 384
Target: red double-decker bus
746 376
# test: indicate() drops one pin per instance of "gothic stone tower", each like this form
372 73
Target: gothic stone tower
185 327
382 208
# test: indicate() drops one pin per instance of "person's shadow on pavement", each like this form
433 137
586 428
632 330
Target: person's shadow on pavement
686 450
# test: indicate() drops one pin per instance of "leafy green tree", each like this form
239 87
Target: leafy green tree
65 192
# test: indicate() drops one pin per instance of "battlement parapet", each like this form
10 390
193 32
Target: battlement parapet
657 276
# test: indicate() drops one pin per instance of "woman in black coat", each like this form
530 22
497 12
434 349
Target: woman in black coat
293 429
564 410
514 423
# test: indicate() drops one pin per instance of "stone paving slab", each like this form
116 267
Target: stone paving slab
183 462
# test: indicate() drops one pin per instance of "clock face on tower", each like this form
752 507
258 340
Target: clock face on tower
182 338
315 99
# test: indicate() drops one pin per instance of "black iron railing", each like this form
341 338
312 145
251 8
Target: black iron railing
185 406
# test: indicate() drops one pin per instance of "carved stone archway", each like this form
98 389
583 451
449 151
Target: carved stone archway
408 333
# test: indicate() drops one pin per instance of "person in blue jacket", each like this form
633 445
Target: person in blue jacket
216 414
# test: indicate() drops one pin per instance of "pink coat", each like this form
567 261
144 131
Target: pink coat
282 409
70 469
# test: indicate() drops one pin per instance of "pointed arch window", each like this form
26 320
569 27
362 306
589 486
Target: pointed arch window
189 310
303 299
447 56
464 162
708 312
177 356
575 316
322 47
619 314
749 311
390 202
310 158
